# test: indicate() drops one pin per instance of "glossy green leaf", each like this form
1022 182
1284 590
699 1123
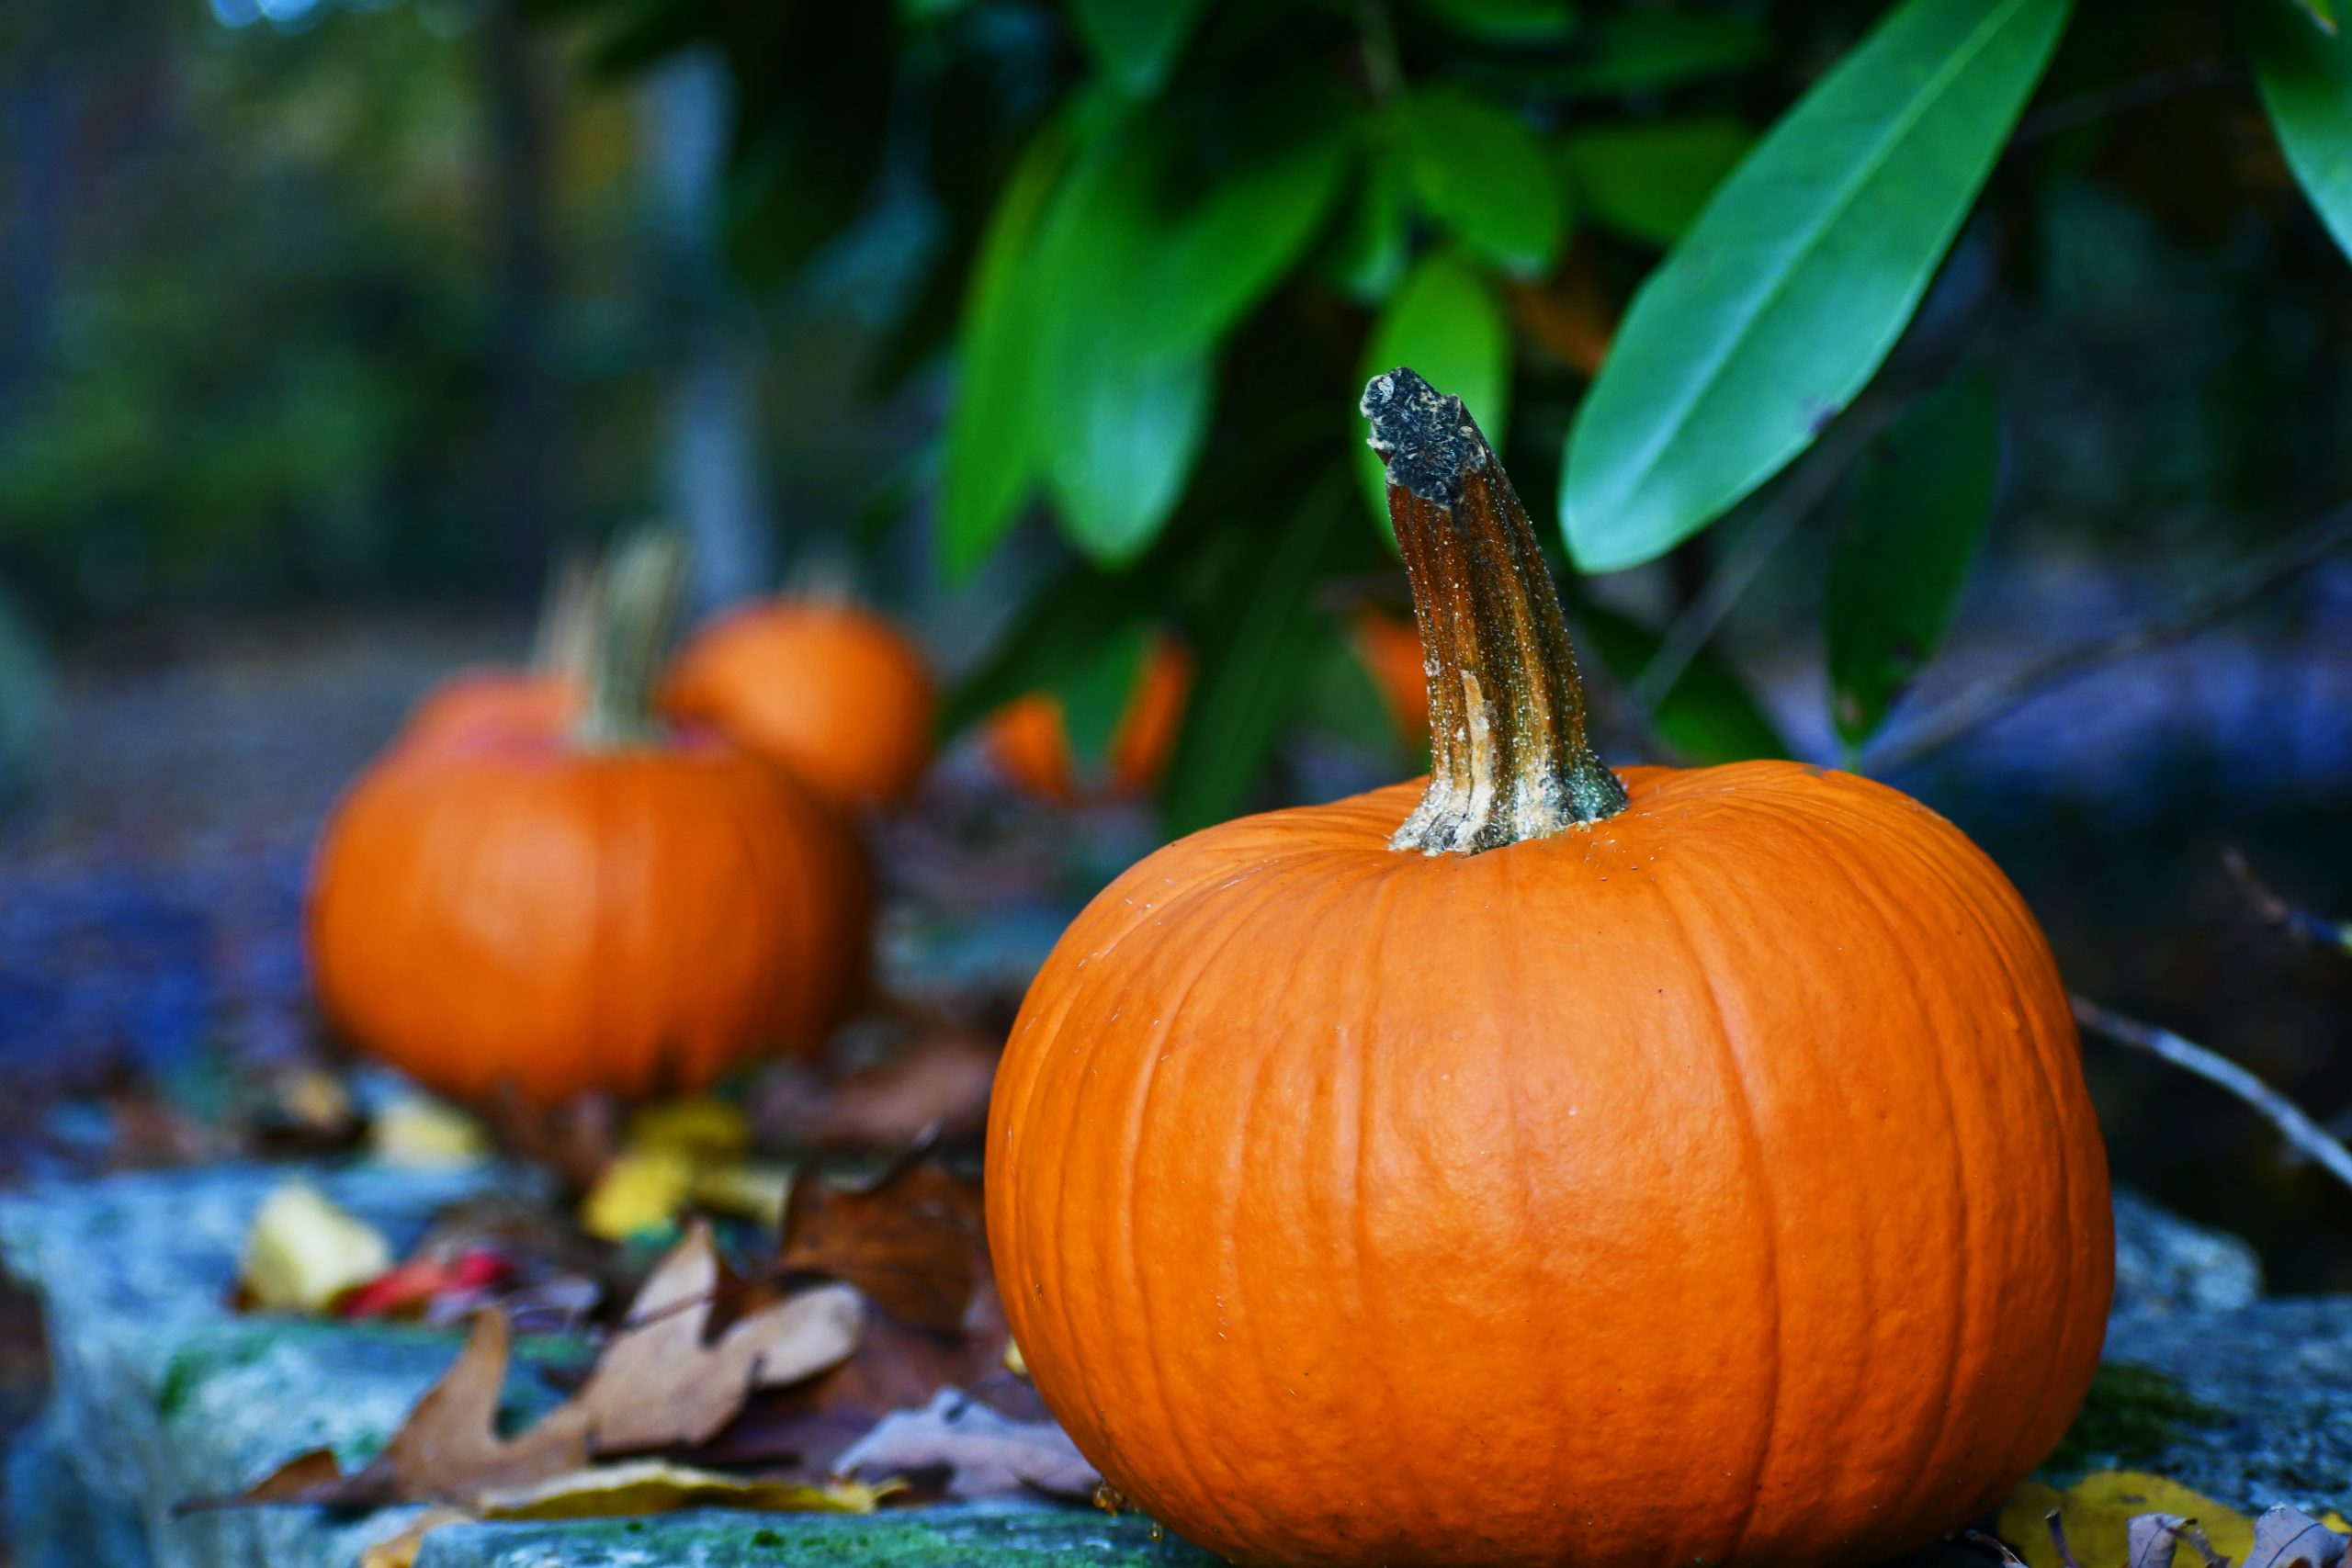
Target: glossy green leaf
1708 717
1788 292
1905 548
1251 664
1132 287
2305 78
1649 179
1446 323
1136 42
1482 173
2321 11
1644 50
1126 433
1373 239
992 459
1094 691
1507 21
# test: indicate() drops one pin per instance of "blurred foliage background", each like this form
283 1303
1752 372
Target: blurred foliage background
1817 336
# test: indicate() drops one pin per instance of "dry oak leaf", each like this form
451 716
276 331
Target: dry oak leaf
661 1384
656 1385
986 1453
2096 1515
400 1550
658 1486
914 1241
2152 1540
2285 1537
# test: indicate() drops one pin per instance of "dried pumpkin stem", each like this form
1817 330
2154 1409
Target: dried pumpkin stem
1509 756
638 596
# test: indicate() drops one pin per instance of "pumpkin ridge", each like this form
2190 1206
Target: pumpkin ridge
1752 1145
1830 850
1133 1142
1970 898
1093 989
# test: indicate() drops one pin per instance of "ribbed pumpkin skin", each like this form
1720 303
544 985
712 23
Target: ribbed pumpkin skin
1714 1185
1031 738
831 691
630 921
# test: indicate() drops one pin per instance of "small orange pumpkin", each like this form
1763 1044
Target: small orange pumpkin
543 698
1030 741
1543 1164
831 691
604 908
1390 651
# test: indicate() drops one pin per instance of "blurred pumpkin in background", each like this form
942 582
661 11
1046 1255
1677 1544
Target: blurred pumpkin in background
595 907
1390 650
834 693
542 698
1030 737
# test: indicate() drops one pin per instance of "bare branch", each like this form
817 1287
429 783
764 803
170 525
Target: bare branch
2307 1137
2306 928
1990 699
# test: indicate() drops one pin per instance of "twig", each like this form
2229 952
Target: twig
1989 699
2066 114
1806 487
2304 1134
2305 928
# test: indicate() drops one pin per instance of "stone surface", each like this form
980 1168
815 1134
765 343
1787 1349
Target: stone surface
2165 1263
162 1395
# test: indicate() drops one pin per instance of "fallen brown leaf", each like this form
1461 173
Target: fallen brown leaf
656 1385
914 1242
986 1454
660 1385
400 1550
938 1084
2285 1537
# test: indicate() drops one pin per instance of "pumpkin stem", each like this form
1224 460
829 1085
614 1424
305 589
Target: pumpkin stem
1509 757
567 630
638 595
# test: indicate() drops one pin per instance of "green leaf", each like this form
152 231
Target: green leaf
2305 78
1708 717
1648 180
1127 430
1252 663
1094 691
1507 21
1446 323
1133 286
1373 239
992 457
1061 626
1786 295
2321 13
1904 550
1644 50
1136 42
1482 173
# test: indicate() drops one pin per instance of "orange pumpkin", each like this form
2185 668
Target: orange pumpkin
1390 651
1543 1164
1030 741
831 691
607 909
480 705
543 699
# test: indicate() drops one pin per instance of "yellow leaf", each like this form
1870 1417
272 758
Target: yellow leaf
640 1192
2336 1522
400 1550
1015 1361
705 1132
424 1135
658 1486
2097 1510
302 1251
749 1190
